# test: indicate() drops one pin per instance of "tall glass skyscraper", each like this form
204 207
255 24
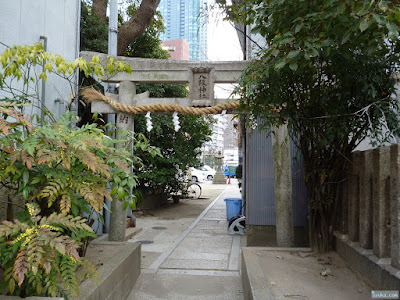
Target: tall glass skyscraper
186 19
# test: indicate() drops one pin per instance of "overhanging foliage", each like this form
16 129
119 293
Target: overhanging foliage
327 68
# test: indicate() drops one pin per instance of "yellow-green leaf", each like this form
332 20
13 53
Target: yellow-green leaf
110 68
43 76
48 66
128 68
121 66
11 286
34 269
121 192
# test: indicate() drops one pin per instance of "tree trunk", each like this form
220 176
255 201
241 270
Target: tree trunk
133 28
100 9
10 211
323 193
137 24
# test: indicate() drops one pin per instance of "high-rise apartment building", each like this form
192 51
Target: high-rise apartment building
186 19
216 144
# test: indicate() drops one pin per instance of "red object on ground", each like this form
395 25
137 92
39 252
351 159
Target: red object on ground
229 180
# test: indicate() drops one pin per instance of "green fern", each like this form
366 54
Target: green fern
58 166
45 259
61 168
52 191
65 203
69 278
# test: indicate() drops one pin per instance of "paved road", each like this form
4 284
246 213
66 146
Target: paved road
202 262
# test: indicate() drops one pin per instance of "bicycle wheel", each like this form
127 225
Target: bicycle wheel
194 190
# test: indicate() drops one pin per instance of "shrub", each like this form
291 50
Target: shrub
60 171
40 257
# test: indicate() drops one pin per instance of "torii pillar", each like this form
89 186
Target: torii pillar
283 187
125 122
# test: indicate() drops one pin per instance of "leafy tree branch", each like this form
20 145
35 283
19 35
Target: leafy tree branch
135 26
327 72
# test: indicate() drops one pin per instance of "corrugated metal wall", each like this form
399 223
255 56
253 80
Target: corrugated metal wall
260 201
260 196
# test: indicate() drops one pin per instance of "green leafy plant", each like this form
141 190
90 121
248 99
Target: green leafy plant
180 150
58 165
326 71
19 76
63 168
40 257
59 169
239 172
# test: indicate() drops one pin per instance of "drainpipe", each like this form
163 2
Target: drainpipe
245 43
111 87
58 104
113 35
74 106
244 138
42 105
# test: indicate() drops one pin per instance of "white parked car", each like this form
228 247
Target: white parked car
210 172
197 175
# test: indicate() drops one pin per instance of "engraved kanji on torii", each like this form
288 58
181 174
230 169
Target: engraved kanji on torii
201 84
200 76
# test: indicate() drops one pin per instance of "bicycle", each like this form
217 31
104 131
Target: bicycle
193 190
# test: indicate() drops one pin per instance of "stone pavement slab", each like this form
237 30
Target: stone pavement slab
187 287
195 264
183 254
276 273
202 262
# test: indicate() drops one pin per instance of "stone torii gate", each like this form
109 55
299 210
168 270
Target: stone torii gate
201 78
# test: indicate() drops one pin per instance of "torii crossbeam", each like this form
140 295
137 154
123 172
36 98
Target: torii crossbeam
200 76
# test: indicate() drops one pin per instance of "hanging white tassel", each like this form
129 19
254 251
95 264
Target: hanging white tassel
223 112
149 124
175 120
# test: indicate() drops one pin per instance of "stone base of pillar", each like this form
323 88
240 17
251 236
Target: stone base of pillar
219 178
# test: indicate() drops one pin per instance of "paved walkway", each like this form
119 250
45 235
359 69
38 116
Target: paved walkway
202 263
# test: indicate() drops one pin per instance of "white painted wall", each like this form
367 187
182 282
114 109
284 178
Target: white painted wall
22 22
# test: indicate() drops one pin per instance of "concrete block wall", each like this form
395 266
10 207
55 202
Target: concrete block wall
369 225
117 276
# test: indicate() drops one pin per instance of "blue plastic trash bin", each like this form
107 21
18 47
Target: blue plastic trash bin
233 206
